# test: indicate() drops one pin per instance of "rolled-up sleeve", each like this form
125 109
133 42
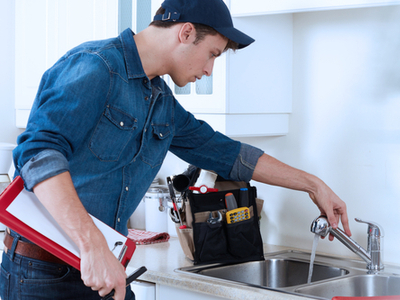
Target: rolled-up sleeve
42 166
245 163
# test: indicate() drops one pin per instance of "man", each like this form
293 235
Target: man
100 127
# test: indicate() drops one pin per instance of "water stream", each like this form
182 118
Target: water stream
314 249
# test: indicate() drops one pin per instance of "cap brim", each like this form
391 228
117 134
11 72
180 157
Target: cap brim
236 35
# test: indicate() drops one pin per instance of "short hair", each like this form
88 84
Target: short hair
201 30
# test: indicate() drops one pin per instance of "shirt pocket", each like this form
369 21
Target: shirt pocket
112 134
158 142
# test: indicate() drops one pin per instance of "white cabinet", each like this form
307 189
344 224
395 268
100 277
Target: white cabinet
45 30
240 8
144 290
259 89
164 292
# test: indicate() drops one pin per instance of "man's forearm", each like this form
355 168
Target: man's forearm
59 196
271 171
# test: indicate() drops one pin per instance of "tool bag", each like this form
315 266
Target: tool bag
209 237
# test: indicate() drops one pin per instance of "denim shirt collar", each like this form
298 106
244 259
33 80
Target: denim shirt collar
132 59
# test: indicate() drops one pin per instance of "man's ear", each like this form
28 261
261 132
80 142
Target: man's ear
187 33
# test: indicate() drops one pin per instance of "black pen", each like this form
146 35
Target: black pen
129 280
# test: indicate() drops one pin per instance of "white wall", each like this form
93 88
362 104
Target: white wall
345 127
8 130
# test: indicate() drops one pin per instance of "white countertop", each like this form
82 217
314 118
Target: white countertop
162 259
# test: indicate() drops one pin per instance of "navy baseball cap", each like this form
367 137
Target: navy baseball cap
213 13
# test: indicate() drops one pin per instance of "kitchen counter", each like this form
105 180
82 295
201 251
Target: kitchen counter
162 259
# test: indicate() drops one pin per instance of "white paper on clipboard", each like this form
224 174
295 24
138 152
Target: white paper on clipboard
31 211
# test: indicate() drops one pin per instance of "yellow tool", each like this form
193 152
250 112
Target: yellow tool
237 215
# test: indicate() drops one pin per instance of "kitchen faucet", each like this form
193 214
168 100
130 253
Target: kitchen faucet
373 254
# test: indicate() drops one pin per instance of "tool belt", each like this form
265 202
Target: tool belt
216 234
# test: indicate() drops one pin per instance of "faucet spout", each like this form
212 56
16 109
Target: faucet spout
372 256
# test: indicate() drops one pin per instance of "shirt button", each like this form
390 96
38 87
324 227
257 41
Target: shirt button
145 130
145 81
126 188
161 135
119 220
146 98
121 123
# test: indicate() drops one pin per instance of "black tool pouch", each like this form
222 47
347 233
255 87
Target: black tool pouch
213 239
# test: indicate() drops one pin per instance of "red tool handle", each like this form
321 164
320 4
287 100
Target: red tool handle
202 189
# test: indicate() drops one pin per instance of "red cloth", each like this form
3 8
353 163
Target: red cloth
141 237
368 298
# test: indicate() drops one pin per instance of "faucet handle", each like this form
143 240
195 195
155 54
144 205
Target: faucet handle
373 227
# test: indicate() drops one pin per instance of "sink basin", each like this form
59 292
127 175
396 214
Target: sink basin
287 271
356 286
273 273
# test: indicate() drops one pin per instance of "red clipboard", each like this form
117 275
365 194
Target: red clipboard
21 211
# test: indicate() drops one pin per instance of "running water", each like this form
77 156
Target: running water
314 249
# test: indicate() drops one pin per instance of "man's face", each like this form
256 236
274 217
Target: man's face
196 60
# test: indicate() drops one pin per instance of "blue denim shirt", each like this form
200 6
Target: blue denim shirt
98 116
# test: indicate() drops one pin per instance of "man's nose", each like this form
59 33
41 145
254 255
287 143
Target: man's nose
208 68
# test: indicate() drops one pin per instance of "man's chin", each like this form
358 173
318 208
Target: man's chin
179 83
182 83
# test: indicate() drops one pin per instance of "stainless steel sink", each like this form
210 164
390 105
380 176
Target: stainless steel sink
287 272
361 285
273 272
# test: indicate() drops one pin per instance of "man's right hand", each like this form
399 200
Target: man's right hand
101 271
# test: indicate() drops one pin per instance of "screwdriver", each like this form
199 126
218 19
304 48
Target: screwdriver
230 201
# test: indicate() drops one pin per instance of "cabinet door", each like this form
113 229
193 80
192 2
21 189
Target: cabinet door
164 292
45 30
144 290
257 7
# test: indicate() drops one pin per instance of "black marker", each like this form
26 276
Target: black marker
244 197
129 280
